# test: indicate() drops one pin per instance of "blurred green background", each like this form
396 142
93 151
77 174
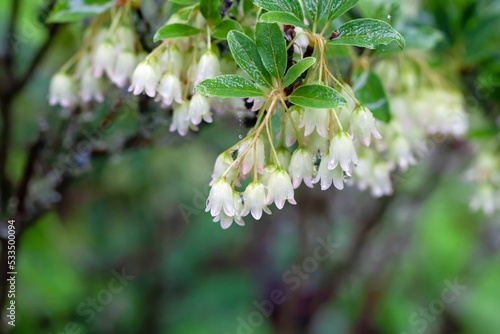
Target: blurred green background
141 212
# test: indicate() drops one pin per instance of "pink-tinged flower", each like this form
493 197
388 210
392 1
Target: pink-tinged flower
253 155
208 67
329 176
146 77
227 220
221 199
180 121
363 125
301 168
170 90
255 200
279 188
199 108
342 152
315 119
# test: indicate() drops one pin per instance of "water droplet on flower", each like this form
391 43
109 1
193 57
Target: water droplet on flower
240 136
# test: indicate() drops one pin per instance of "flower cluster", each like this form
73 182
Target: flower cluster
107 51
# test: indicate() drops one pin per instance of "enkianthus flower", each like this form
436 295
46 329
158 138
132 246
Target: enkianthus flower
125 37
328 176
363 125
208 67
401 152
104 58
221 199
254 155
279 188
146 77
485 198
301 168
124 68
63 90
91 88
172 60
223 162
227 220
199 108
180 120
374 174
342 152
292 120
255 200
170 89
315 119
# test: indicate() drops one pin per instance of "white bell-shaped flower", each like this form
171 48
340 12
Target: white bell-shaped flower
208 67
342 152
221 199
124 68
91 88
180 120
328 176
255 200
301 168
227 220
146 77
363 125
63 90
170 89
104 58
315 119
279 188
199 108
254 155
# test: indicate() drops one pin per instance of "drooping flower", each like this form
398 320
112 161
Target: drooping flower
363 125
255 200
170 89
146 77
208 67
254 155
223 162
91 88
301 168
315 119
180 120
63 90
328 176
227 220
199 108
221 198
342 152
104 59
280 188
124 68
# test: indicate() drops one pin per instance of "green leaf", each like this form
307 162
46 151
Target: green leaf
317 96
284 18
296 70
175 30
183 2
271 47
76 10
370 91
225 27
337 8
245 54
287 6
210 9
228 86
367 33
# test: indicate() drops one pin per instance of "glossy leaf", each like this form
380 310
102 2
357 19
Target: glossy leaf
210 9
296 70
367 33
317 96
287 6
228 86
337 8
175 30
284 18
245 54
76 10
271 47
370 91
225 27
